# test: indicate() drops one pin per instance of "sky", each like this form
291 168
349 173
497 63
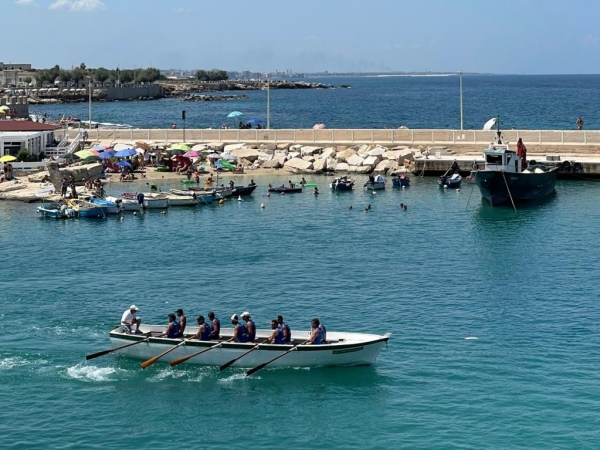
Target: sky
502 36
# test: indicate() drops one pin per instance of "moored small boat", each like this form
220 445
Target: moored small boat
450 181
155 200
285 189
183 200
55 210
341 349
86 209
375 183
243 190
126 202
342 184
110 207
400 181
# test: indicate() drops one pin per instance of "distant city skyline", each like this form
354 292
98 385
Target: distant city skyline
512 36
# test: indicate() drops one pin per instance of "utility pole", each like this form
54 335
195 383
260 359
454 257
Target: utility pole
461 100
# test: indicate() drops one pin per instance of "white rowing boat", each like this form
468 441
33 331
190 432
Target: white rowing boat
341 349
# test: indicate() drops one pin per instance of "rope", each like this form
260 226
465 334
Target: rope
509 194
471 193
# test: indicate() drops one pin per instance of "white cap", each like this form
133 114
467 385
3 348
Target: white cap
133 307
245 314
234 317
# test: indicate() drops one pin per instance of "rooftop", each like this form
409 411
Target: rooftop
26 125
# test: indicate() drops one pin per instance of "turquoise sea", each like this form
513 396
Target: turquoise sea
522 283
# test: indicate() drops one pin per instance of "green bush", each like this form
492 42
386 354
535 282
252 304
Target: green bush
23 155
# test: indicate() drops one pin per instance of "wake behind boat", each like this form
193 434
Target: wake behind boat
341 349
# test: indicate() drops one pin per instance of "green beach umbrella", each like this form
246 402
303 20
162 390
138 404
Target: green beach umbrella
83 154
185 148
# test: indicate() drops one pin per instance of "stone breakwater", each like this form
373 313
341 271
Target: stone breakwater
305 159
185 88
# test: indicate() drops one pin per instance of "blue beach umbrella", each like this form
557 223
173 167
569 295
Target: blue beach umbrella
107 154
254 121
123 164
99 148
125 152
235 114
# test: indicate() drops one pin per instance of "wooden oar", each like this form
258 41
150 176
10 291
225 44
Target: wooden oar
185 358
263 365
157 357
106 352
227 364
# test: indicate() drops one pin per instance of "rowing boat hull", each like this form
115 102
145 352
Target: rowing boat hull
352 349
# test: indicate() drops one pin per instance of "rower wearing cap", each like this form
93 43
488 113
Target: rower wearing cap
239 330
129 319
287 334
316 334
204 329
250 327
277 334
215 326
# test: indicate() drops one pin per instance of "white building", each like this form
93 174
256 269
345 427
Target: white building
34 137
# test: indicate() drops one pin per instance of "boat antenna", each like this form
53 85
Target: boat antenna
498 122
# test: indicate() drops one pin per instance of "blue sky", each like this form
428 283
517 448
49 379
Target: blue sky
502 36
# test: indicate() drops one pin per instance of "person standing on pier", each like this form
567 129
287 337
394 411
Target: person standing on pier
522 153
579 123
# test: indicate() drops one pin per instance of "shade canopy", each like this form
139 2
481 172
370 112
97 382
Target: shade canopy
126 152
235 114
8 158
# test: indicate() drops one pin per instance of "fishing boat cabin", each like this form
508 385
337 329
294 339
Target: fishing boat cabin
499 158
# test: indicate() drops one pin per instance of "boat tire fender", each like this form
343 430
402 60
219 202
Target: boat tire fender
533 162
566 166
577 167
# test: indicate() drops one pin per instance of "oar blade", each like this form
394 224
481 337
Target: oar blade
256 369
178 361
149 362
98 354
226 365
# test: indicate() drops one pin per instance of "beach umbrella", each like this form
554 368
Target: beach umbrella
99 148
8 158
122 146
229 157
214 156
123 164
91 158
146 146
191 154
254 121
199 147
175 151
83 154
235 114
2 111
106 154
490 124
183 147
125 152
5 108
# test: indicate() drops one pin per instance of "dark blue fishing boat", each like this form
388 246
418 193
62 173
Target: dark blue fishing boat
342 184
401 180
507 179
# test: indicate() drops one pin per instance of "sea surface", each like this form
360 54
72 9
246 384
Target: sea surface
494 314
522 102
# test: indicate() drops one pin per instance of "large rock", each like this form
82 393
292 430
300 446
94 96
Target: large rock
264 156
363 150
329 152
309 158
341 167
275 163
292 155
342 156
247 153
280 152
386 165
360 169
377 151
229 147
371 161
298 164
309 151
216 146
283 146
399 155
38 176
320 165
355 160
332 164
295 147
270 146
341 148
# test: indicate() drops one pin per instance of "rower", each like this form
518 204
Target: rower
276 336
316 333
215 326
204 329
324 330
172 330
129 318
287 334
182 322
239 330
250 327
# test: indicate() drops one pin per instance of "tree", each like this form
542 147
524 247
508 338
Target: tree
27 80
77 74
64 76
101 74
126 76
23 155
82 66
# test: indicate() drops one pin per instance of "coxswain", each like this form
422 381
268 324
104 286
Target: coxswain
316 333
239 330
204 329
215 326
287 334
276 336
129 319
182 321
172 330
250 327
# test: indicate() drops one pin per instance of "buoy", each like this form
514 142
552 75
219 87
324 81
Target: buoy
283 193
163 212
134 213
262 205
221 201
458 190
445 186
122 218
239 198
374 192
471 338
403 186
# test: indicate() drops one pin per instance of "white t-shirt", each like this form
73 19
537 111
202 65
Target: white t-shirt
127 317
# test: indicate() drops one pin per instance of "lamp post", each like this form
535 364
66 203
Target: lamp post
461 99
268 103
89 78
183 120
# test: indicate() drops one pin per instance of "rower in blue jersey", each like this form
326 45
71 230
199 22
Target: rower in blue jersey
239 330
277 334
324 330
287 334
316 334
215 326
250 327
172 330
204 328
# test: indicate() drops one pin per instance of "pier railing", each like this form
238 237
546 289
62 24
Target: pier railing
348 136
65 146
